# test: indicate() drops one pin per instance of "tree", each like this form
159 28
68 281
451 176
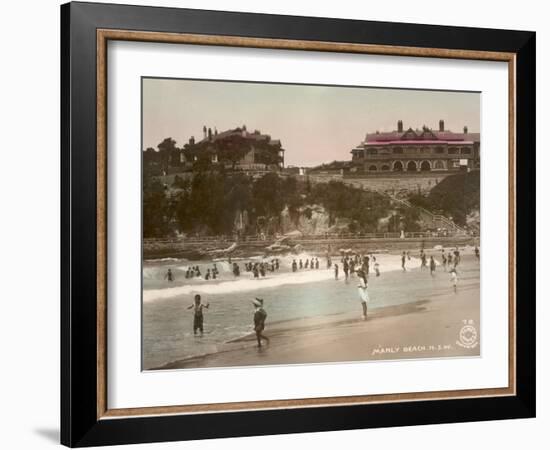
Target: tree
267 154
233 149
156 211
168 151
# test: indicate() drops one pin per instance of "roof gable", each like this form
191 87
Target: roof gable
409 135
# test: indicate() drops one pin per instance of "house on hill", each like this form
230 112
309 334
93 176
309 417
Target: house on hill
413 151
236 148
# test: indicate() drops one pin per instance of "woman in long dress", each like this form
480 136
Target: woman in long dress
362 290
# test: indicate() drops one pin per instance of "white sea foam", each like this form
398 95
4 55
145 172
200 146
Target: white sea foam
245 283
164 260
240 285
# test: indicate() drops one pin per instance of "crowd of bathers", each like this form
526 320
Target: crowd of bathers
260 269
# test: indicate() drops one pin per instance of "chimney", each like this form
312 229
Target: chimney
441 125
192 140
215 131
400 126
465 130
204 131
209 134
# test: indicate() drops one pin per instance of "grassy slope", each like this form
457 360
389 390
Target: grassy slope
456 195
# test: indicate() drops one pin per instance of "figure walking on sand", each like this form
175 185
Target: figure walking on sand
403 260
335 271
454 278
362 290
198 318
457 256
259 320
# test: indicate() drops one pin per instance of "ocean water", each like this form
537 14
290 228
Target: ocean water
168 324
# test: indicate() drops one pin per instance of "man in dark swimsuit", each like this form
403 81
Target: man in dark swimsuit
169 276
198 317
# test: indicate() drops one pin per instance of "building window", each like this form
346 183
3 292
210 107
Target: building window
397 151
453 151
411 166
385 167
373 168
439 165
425 166
372 151
465 151
439 150
398 166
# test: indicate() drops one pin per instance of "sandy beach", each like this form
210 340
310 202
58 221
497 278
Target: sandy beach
428 325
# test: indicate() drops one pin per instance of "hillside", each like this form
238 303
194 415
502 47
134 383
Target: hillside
219 203
456 196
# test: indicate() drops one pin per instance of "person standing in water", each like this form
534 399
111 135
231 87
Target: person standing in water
169 276
294 265
236 270
346 269
432 265
444 261
259 320
362 290
198 318
403 260
377 268
423 260
454 278
476 250
301 264
335 271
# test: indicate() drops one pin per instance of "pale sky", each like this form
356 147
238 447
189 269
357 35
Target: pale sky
315 124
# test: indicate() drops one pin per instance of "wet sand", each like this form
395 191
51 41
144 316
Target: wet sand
426 328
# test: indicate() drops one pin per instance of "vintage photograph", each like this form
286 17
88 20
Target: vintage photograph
299 224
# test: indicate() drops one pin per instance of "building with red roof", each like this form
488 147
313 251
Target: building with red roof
423 150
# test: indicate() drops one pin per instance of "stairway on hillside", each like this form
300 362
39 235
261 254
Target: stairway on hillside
436 220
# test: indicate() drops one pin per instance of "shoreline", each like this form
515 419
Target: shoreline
424 328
